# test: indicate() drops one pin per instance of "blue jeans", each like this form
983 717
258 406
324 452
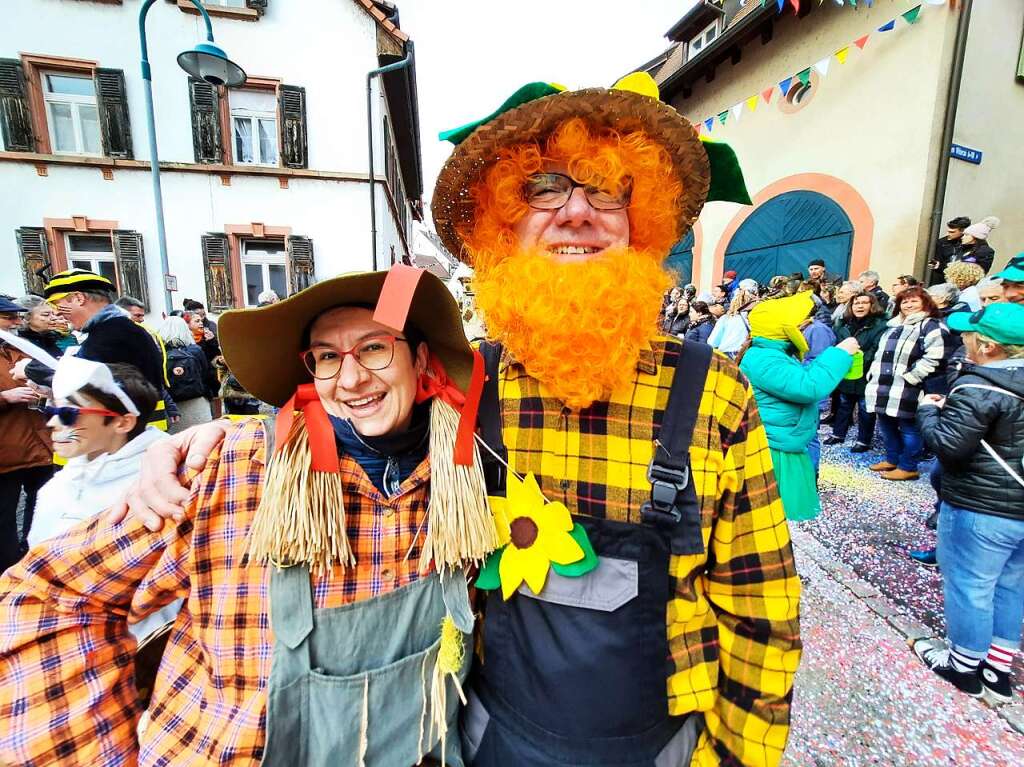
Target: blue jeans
902 441
982 560
844 417
814 451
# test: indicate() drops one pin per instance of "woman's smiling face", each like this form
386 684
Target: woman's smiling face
377 402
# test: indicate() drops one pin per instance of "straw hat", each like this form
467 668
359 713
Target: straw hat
262 346
536 109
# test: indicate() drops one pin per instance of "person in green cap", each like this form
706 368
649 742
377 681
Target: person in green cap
1012 277
976 434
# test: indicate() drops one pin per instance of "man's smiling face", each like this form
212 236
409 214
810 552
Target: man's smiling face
575 232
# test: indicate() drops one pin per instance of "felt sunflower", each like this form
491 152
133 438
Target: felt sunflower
535 536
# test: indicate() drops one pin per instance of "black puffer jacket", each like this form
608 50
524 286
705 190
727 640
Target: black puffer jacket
972 478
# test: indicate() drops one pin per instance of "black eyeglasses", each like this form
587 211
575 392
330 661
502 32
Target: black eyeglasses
374 353
551 191
68 415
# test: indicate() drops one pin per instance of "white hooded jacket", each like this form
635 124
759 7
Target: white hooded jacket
84 488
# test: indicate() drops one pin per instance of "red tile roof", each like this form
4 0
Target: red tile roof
382 20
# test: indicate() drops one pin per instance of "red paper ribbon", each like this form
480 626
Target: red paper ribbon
436 383
318 427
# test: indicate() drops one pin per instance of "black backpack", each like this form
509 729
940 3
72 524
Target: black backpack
184 375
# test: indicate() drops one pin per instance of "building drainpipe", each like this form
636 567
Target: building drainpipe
369 141
949 124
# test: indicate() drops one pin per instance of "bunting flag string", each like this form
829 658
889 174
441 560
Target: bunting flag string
911 17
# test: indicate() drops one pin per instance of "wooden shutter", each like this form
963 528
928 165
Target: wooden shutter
35 257
301 270
112 104
217 266
131 264
15 116
204 100
260 6
293 126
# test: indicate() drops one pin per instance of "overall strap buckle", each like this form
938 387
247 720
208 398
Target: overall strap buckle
667 486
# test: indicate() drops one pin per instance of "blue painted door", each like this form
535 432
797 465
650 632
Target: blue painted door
787 232
680 259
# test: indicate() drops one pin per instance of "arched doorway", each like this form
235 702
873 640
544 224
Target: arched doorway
680 259
782 235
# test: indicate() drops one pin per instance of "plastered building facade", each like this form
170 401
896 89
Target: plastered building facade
854 164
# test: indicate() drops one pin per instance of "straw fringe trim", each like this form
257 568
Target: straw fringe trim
301 515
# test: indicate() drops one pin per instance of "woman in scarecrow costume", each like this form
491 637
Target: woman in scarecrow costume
326 606
788 392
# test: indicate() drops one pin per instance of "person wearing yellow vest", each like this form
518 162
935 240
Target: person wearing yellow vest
86 301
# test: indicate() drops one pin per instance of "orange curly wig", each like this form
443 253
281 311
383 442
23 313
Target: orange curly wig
576 327
600 156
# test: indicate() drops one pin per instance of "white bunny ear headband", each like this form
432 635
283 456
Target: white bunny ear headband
71 373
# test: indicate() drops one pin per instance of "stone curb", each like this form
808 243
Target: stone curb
909 628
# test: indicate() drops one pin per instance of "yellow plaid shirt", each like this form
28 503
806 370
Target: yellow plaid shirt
733 625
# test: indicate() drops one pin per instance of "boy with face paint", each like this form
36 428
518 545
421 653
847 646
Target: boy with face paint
98 423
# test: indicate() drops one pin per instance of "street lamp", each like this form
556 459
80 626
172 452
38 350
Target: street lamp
204 62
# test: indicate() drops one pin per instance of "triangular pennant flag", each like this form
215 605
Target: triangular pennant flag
737 110
796 6
752 103
709 123
911 16
781 3
784 85
723 116
860 42
888 26
822 66
842 53
766 94
805 76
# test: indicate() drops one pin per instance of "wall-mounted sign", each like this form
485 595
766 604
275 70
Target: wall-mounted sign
170 282
966 154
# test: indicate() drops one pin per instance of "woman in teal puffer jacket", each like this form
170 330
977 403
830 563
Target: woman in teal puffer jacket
787 393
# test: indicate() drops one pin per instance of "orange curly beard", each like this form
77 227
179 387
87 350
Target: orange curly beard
578 328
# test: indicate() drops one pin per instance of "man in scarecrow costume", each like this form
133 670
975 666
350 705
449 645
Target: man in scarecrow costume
644 605
321 565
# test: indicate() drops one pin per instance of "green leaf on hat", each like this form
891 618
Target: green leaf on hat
488 579
529 92
582 566
727 184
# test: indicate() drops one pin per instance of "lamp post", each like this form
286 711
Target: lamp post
204 62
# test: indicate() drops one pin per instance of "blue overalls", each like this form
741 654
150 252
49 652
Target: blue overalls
577 675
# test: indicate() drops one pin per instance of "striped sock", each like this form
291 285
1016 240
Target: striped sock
1000 658
964 660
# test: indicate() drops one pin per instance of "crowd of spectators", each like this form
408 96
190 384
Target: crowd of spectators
939 369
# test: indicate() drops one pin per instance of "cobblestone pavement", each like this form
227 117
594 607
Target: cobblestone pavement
861 697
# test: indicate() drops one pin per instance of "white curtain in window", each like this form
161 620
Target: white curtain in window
90 129
63 128
268 142
243 140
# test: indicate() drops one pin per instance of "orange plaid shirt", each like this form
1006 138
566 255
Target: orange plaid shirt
67 693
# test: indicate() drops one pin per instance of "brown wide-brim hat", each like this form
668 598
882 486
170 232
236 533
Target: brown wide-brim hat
262 346
624 110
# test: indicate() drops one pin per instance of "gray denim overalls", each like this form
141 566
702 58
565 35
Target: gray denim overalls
351 685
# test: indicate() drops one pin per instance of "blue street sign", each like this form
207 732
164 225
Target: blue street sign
966 154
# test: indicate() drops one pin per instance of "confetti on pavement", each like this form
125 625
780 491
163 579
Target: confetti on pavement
861 696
